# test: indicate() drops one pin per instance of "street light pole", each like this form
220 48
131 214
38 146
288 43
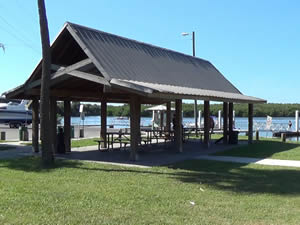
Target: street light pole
195 104
194 51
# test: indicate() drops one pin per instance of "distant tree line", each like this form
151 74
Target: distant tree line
241 110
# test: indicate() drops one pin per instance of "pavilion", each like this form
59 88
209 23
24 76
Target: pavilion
91 65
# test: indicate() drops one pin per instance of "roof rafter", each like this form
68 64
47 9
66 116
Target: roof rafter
63 73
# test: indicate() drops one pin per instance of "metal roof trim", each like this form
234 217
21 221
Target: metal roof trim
14 91
194 92
129 85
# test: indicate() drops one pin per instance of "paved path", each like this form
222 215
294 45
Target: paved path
154 157
15 150
148 156
270 162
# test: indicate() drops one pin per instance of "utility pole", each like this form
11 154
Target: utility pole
195 103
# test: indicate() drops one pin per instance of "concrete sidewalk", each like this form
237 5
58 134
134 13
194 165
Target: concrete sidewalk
15 150
269 162
153 156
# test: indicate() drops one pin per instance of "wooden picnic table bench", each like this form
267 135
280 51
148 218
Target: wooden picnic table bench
99 144
121 138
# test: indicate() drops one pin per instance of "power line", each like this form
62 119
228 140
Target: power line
24 9
21 40
13 28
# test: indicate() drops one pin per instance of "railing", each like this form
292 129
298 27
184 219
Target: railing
262 126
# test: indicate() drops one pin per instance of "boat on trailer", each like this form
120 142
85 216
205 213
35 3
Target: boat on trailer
15 114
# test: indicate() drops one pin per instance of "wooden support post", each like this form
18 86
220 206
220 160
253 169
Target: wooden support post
196 117
67 125
178 125
283 137
230 116
225 122
168 117
53 123
135 111
250 123
161 122
35 125
206 123
103 123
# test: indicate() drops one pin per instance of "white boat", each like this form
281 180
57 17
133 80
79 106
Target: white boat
15 114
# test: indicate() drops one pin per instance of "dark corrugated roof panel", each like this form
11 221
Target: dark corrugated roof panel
126 59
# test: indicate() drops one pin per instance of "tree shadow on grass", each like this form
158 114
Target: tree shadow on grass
237 177
260 149
33 164
232 177
4 147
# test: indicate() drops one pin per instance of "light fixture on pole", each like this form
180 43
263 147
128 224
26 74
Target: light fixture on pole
195 104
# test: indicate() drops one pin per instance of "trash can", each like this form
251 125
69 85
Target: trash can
72 132
25 134
3 135
233 137
81 133
21 133
60 141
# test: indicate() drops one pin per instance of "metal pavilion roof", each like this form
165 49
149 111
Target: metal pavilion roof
121 58
136 66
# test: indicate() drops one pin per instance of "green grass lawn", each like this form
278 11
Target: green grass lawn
266 148
217 136
87 193
84 142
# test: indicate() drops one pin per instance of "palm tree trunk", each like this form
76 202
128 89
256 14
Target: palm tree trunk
47 154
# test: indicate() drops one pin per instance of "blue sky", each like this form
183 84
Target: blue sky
255 43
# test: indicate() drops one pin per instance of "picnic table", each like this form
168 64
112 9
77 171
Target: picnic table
115 136
122 136
156 134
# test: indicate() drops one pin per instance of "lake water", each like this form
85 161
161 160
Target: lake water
278 123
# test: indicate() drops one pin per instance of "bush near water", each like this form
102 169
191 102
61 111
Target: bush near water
241 110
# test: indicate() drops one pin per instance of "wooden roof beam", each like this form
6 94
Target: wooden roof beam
91 96
63 73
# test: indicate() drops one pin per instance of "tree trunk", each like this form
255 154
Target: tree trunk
47 153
